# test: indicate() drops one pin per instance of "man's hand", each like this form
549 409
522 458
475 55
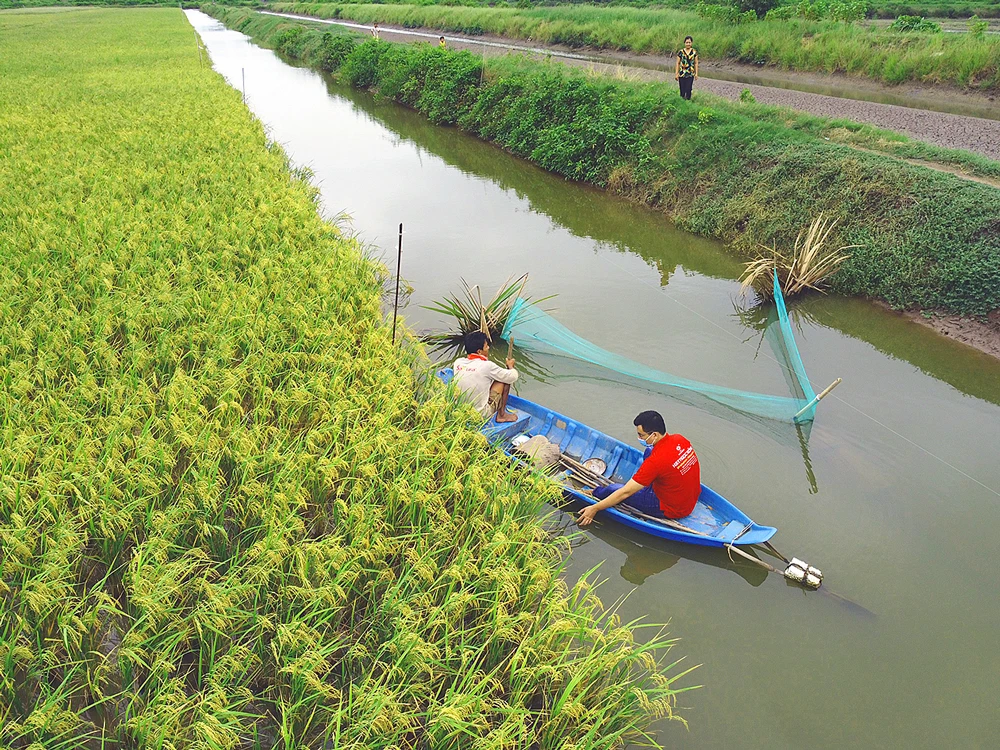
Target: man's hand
587 515
510 363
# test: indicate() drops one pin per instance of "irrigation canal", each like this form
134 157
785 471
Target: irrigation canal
893 492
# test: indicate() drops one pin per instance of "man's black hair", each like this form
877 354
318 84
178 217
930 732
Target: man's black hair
650 421
474 341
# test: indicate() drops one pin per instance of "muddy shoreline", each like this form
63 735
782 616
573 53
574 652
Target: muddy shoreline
979 333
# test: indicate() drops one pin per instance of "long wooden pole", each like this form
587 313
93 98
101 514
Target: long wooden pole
600 480
505 393
819 398
399 263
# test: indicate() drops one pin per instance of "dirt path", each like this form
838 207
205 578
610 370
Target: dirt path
975 134
970 133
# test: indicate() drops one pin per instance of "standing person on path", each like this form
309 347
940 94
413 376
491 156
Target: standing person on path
686 68
375 31
668 482
441 43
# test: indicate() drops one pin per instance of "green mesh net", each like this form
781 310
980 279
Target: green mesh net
535 330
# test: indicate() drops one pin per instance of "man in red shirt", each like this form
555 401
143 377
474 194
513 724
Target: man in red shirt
668 482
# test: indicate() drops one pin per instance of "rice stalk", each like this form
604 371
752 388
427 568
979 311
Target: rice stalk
229 517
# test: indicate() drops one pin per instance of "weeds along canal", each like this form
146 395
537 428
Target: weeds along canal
893 491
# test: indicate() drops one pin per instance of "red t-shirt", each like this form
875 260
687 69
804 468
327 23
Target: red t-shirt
673 470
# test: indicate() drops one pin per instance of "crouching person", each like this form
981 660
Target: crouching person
484 383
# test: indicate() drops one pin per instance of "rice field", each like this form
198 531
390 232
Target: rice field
232 514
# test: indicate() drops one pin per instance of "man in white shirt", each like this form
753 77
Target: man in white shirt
482 381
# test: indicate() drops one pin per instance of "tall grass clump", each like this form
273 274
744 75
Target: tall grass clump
470 313
229 515
808 265
828 46
741 172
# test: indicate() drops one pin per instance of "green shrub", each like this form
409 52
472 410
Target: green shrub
728 14
334 49
758 7
747 97
977 28
289 41
360 68
815 10
915 24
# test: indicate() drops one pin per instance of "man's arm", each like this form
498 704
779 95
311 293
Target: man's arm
501 375
623 493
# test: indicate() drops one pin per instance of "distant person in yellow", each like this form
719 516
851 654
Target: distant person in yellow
375 31
686 67
481 381
441 43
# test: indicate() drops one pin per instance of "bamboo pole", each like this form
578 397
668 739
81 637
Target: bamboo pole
818 398
505 392
751 558
771 547
600 480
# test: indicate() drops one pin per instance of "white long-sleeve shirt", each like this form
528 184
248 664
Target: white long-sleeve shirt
475 375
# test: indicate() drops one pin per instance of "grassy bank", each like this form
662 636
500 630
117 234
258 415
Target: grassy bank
935 8
230 516
744 173
795 44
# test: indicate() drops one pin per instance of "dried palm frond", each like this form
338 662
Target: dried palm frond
471 314
807 267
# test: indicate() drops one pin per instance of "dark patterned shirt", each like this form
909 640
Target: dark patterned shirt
687 60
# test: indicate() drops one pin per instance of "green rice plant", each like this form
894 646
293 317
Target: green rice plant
808 266
232 515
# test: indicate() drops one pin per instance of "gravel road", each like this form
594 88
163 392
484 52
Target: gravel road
975 134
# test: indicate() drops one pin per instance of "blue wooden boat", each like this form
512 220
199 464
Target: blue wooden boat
715 522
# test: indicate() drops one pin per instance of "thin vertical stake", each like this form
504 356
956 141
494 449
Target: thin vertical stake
399 262
243 72
197 40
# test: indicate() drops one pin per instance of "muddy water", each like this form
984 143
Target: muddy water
893 492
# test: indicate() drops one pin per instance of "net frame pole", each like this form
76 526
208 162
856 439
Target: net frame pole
819 397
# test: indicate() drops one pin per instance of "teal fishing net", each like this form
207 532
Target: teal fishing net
535 330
